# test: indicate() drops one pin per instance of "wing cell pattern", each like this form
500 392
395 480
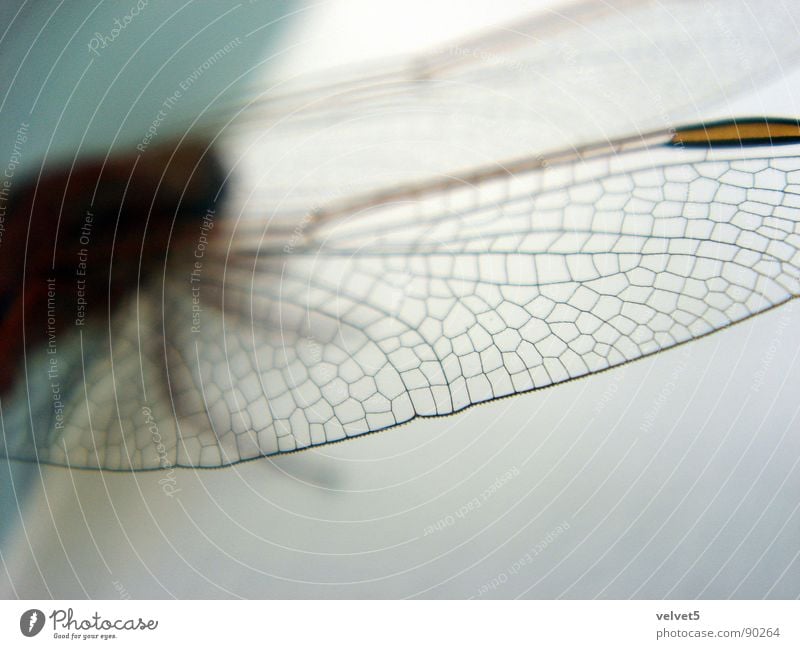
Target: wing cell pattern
424 302
429 311
423 307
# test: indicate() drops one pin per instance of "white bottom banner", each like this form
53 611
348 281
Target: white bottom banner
404 624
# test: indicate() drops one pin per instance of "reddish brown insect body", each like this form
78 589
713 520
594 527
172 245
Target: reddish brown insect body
78 241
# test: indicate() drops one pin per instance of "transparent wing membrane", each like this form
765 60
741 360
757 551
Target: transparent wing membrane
590 72
397 242
465 294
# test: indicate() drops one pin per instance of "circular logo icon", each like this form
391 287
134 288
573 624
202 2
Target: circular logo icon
31 622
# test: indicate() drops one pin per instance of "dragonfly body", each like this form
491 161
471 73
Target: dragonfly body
83 239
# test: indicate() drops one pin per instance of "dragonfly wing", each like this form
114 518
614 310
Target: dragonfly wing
421 308
592 72
424 307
